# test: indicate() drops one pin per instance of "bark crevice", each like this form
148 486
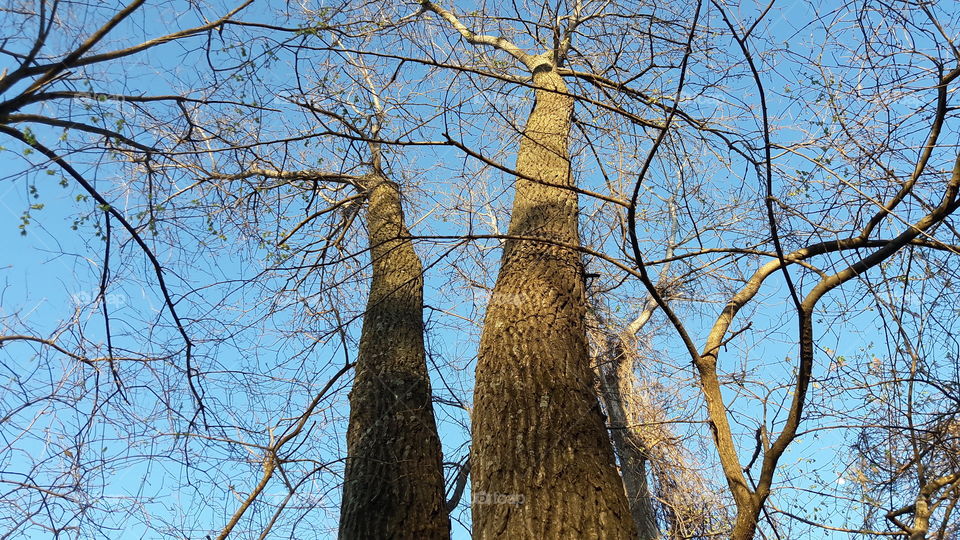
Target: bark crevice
543 465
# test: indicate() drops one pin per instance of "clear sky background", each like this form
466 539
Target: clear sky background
264 332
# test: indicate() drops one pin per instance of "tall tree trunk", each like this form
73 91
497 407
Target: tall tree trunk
393 486
543 465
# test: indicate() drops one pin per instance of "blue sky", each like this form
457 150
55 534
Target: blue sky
51 280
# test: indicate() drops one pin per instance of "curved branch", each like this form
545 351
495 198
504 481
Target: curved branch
496 42
74 59
52 70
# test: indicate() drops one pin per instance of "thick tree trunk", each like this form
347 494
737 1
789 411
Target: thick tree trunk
748 515
543 465
393 486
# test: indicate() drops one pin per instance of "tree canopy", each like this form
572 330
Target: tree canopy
701 254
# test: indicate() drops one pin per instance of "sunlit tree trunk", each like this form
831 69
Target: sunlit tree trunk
393 486
745 526
543 464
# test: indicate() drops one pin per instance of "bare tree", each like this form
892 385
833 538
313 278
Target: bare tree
871 232
717 210
668 494
538 438
393 483
67 110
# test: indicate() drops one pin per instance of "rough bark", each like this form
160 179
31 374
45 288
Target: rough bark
924 506
745 526
393 485
543 465
921 519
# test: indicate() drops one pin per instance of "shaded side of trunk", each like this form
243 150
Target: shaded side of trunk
393 485
617 383
543 464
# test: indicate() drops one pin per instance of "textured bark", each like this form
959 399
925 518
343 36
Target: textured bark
745 526
925 504
543 465
921 519
393 485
